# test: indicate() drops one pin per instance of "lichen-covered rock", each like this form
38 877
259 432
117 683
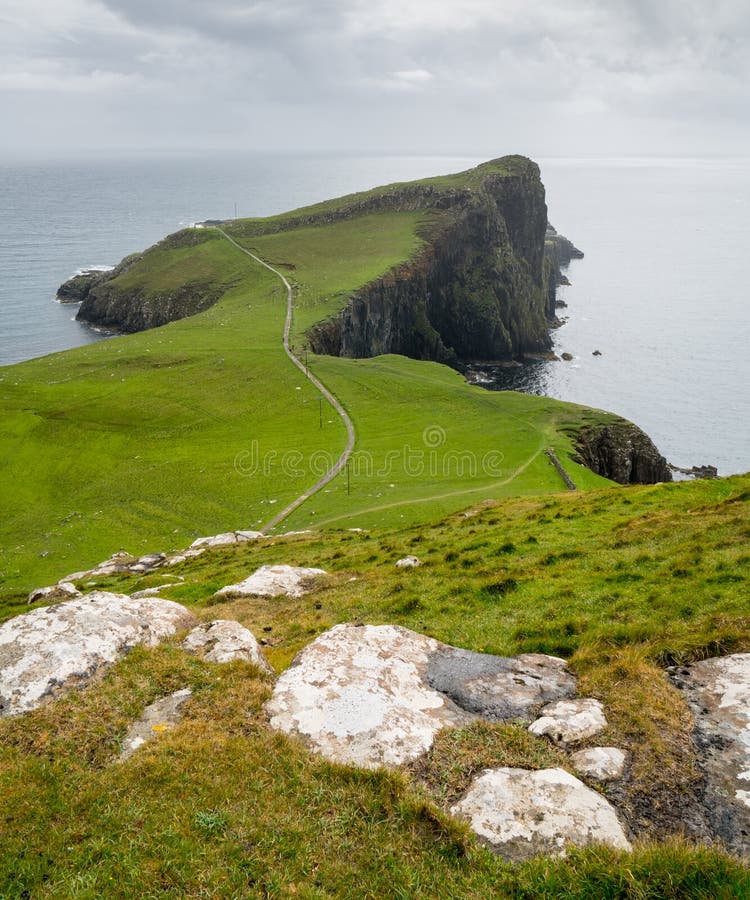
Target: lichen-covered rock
223 641
568 721
409 562
601 763
357 695
158 717
226 539
377 695
273 581
521 814
47 650
718 692
62 591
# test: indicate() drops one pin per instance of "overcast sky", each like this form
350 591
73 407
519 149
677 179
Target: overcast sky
474 77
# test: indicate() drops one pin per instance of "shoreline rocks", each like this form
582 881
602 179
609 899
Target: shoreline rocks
622 453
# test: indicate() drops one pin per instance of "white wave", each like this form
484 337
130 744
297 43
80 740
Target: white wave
84 269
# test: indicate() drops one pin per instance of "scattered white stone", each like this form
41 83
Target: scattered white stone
55 647
601 763
160 716
186 554
223 641
409 562
356 695
118 562
224 540
568 721
64 590
75 576
272 581
522 814
148 592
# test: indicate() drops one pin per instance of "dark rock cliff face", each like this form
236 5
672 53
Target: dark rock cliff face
558 253
479 289
623 453
77 288
106 303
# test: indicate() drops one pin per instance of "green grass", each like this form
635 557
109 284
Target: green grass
429 444
145 442
221 806
150 440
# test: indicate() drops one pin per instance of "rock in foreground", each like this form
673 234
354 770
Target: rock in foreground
718 692
521 814
377 695
224 641
601 763
159 716
569 721
47 650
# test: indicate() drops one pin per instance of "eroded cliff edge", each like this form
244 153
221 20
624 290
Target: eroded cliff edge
480 288
622 453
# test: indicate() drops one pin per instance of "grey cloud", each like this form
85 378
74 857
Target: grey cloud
402 75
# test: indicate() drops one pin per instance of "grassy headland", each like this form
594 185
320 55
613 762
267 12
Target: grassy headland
204 425
147 441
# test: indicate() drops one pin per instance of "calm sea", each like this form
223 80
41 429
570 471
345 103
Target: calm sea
662 292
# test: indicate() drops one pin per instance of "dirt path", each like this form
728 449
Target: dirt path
351 436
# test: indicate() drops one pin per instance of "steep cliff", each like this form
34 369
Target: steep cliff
622 452
558 253
131 298
480 287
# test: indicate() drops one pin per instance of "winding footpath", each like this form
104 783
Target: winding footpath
351 436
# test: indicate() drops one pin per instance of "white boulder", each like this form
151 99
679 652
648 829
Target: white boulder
568 721
223 641
225 539
601 763
47 650
718 693
521 814
64 590
356 695
273 581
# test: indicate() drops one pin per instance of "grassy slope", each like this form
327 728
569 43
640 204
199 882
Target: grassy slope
132 442
616 580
